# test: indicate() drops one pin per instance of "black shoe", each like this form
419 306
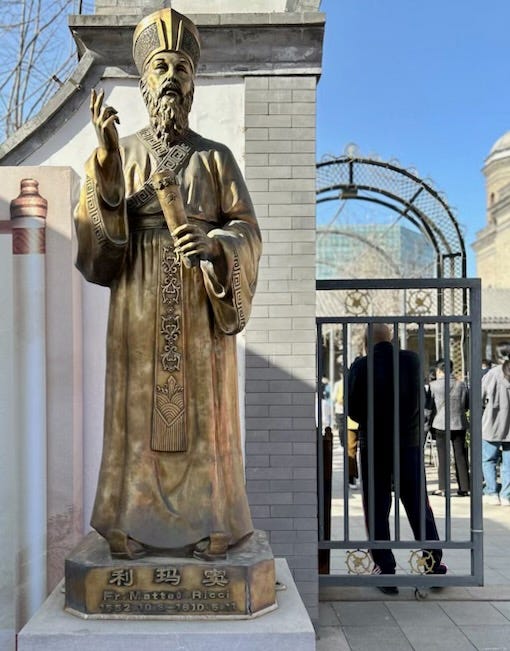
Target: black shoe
385 589
440 568
388 589
463 493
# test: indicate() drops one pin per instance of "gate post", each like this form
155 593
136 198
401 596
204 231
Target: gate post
327 474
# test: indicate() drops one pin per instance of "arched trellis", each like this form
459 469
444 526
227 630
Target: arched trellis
400 190
387 184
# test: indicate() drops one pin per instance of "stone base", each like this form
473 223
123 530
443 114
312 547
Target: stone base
286 629
154 587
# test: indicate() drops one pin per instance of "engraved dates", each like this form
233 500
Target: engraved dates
169 608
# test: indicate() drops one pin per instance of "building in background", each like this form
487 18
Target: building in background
373 250
492 248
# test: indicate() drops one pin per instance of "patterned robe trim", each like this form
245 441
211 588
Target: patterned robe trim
98 227
173 159
169 426
93 210
170 319
236 291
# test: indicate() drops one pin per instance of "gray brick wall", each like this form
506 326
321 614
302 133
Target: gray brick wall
280 362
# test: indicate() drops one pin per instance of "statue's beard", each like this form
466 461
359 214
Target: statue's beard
168 111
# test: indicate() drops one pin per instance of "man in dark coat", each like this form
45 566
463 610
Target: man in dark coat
409 386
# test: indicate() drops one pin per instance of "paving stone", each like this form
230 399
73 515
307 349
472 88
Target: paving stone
382 638
331 638
437 638
465 613
359 613
488 638
503 607
418 614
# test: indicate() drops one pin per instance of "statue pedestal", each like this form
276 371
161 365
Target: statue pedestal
154 587
288 628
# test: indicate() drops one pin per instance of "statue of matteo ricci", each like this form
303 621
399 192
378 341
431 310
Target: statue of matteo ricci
166 222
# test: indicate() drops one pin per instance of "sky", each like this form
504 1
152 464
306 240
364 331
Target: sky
427 83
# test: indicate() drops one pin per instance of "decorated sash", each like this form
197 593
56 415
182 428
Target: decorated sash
172 158
168 433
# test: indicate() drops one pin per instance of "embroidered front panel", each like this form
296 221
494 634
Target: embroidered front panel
168 429
170 317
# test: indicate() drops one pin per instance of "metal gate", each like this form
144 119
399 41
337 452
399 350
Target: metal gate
435 318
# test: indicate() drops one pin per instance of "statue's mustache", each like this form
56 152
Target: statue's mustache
170 87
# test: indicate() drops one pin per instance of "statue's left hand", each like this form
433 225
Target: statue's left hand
192 243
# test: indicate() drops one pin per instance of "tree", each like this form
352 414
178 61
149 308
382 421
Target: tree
36 57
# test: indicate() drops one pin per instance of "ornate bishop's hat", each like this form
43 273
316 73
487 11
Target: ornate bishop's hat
164 30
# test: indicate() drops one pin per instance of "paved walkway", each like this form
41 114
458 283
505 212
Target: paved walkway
450 619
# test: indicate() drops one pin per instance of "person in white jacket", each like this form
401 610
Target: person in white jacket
456 399
496 428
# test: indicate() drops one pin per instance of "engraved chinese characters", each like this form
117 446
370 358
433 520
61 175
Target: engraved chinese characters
167 575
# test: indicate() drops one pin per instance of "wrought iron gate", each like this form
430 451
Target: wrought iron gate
435 318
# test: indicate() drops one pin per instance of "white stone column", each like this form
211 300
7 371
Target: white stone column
8 474
28 216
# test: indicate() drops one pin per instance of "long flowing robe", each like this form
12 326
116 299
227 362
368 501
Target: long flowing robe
171 471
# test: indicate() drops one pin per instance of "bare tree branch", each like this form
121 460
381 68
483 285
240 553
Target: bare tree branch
37 47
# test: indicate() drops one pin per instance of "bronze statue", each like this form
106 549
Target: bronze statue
166 222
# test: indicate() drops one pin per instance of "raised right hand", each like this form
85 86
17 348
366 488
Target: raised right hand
104 119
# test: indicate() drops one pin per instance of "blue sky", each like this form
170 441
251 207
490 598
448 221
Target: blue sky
427 83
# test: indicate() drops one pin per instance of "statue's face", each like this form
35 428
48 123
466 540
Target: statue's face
167 88
169 74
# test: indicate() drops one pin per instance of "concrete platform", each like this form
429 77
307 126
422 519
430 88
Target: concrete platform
286 629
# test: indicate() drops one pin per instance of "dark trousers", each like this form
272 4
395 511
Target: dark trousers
410 472
458 438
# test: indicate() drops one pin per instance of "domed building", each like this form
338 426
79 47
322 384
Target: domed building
492 247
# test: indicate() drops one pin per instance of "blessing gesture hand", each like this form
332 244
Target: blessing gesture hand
104 119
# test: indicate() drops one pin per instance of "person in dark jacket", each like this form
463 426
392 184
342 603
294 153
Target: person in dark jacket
411 466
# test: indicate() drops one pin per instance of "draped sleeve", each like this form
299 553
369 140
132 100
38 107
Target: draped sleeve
101 223
231 290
